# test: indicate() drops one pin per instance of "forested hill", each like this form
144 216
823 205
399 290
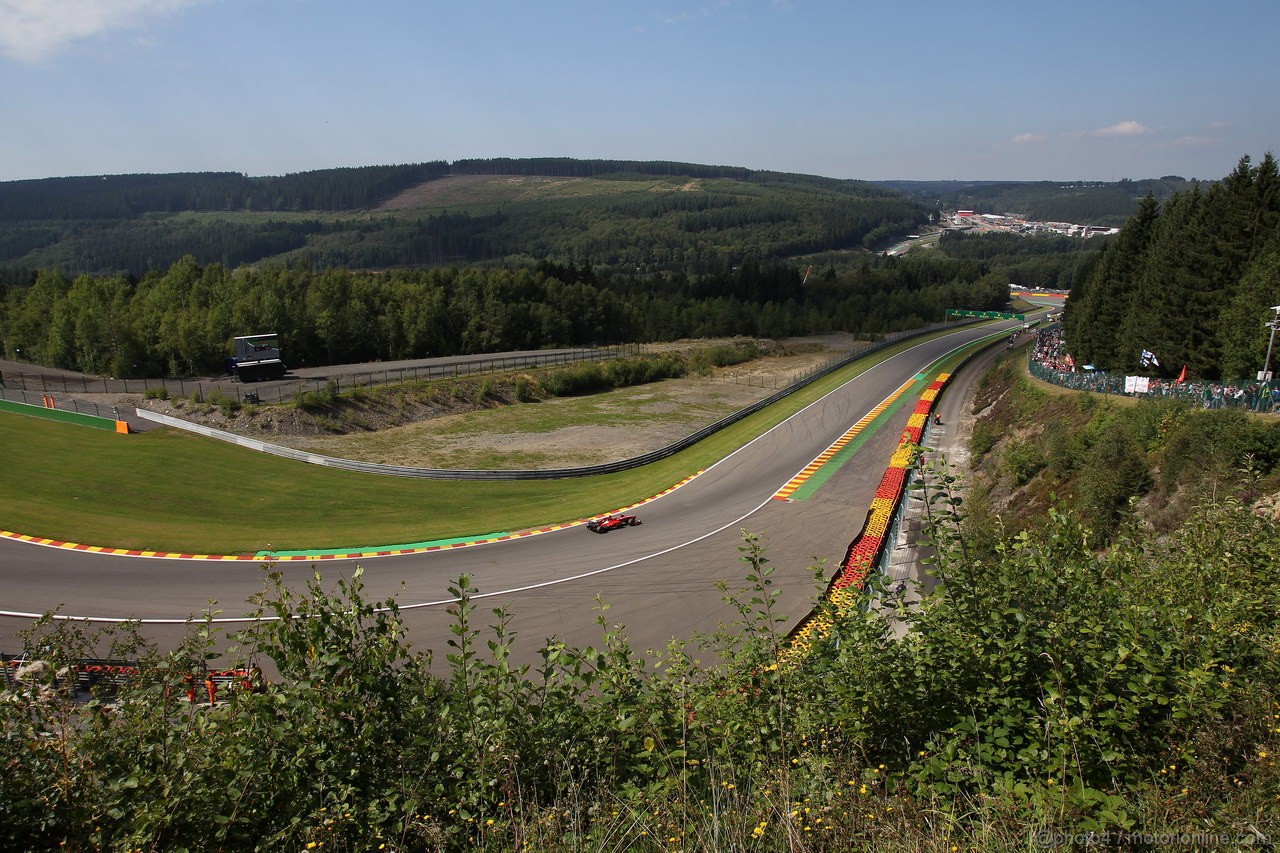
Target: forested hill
128 196
612 214
131 196
1191 280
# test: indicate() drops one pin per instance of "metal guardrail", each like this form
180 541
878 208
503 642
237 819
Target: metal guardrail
61 402
536 474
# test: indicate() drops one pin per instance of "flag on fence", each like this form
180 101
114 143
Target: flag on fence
1149 358
1181 376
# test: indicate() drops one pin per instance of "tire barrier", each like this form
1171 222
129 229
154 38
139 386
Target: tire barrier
844 592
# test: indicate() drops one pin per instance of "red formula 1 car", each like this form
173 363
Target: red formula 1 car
604 525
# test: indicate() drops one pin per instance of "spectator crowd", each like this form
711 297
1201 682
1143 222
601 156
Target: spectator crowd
1050 361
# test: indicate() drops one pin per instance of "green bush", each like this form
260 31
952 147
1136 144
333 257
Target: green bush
701 361
318 398
1215 444
227 403
157 393
1066 679
1114 471
626 372
1062 448
982 438
1022 460
578 379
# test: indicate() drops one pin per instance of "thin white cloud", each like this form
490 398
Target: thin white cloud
1027 138
1218 125
1193 141
1124 128
32 30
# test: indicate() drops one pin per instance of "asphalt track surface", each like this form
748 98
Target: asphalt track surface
660 579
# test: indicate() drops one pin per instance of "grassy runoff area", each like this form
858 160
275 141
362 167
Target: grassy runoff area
169 490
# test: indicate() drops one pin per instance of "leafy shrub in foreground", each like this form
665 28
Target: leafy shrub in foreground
1042 686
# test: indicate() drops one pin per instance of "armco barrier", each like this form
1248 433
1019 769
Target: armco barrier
546 474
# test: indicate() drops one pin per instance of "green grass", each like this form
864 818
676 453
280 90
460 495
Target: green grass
169 490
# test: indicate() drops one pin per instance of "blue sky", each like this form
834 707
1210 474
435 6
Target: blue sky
967 89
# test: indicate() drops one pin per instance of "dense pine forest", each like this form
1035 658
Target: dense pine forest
154 274
1190 280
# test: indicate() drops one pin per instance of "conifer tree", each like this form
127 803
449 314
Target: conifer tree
1099 303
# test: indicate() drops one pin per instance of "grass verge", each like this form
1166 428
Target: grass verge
172 491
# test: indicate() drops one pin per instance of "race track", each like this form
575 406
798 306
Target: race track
660 578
